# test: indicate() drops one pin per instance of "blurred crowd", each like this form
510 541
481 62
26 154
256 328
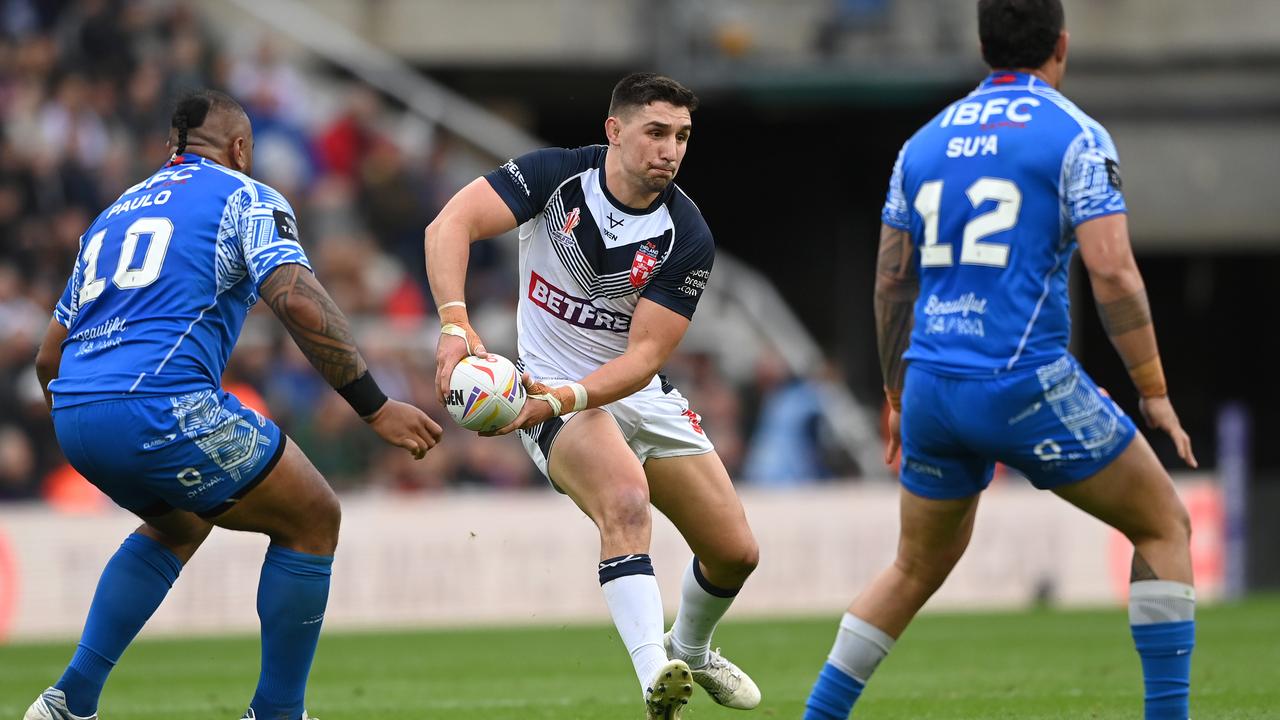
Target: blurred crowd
86 89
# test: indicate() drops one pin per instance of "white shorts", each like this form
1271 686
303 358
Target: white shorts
656 423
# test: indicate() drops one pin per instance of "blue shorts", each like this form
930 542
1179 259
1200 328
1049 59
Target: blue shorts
1051 423
199 452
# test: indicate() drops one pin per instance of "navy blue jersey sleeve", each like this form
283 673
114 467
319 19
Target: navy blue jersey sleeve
527 182
679 283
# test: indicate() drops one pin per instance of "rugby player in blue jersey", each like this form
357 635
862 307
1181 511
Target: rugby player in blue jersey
132 365
986 204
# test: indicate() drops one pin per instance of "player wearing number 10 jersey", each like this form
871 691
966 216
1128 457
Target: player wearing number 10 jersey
132 365
986 204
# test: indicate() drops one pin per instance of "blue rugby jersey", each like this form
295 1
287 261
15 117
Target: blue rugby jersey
991 191
164 279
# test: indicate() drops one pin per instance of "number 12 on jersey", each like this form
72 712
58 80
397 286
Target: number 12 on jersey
973 251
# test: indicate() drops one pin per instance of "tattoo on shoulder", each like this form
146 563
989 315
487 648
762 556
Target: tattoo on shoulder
1126 314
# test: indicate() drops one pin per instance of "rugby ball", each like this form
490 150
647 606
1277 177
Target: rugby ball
485 393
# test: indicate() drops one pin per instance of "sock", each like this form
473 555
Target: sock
631 591
133 584
859 648
1162 618
701 607
292 595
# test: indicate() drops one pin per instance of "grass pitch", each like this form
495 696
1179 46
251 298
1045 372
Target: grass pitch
1025 665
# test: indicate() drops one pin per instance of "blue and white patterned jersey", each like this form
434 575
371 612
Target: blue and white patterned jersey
164 280
991 191
586 259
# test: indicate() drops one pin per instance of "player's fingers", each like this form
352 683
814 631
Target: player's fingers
433 429
1183 442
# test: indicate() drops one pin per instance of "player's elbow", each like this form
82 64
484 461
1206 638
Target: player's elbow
893 289
1118 277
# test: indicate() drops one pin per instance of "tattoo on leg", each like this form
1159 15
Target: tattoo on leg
1141 570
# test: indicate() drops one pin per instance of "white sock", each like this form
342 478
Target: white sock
1161 601
859 647
636 607
701 607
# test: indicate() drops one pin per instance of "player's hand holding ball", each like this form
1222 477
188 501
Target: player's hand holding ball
457 340
485 393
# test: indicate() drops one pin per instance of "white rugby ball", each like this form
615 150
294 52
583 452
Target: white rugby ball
484 393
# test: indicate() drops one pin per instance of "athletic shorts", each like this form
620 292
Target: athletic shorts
656 422
1051 423
200 451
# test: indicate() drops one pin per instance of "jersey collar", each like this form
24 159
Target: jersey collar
1000 79
183 159
618 204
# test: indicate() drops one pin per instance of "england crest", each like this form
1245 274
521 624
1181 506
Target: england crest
643 263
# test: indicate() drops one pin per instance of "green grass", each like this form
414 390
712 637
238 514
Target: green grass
1025 665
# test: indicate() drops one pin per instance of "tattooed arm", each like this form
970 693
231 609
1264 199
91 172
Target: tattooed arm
323 334
319 328
1126 317
897 285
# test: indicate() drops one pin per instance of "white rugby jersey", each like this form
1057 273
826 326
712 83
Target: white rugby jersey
586 259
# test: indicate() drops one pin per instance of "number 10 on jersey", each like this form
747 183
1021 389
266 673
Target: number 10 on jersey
127 276
972 250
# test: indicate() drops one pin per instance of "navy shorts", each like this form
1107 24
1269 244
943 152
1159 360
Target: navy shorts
1051 423
199 452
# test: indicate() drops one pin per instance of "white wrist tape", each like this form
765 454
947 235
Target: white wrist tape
550 400
579 396
454 303
456 331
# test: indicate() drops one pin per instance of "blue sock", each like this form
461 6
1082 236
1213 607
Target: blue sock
1165 649
292 595
133 584
833 695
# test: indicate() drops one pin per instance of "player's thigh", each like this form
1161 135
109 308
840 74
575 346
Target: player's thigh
591 462
181 531
933 534
1134 495
293 505
696 494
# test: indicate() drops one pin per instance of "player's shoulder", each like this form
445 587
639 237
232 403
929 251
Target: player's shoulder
1077 123
686 216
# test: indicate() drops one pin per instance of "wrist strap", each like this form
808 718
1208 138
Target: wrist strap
579 396
551 400
456 330
1148 377
452 303
363 395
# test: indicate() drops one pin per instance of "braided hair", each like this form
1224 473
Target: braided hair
193 109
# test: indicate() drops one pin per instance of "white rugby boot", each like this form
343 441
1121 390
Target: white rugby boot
248 715
723 681
669 692
52 705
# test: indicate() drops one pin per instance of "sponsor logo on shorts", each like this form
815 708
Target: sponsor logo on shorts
695 420
924 469
575 310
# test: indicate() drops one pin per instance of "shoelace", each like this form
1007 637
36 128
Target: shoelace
716 661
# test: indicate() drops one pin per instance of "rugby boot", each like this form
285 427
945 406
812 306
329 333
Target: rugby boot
723 681
248 715
669 692
52 705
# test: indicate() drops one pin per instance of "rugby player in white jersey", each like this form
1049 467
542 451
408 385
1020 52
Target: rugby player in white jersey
613 259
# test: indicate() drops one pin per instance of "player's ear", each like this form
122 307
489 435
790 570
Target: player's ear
1060 48
613 130
239 154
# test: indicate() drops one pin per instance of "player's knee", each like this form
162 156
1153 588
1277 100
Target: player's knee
326 512
744 559
625 506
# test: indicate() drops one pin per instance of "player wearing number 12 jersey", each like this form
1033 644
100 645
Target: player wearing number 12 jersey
132 365
986 204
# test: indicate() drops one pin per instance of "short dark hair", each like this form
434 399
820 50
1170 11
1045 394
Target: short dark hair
640 89
1019 33
194 107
